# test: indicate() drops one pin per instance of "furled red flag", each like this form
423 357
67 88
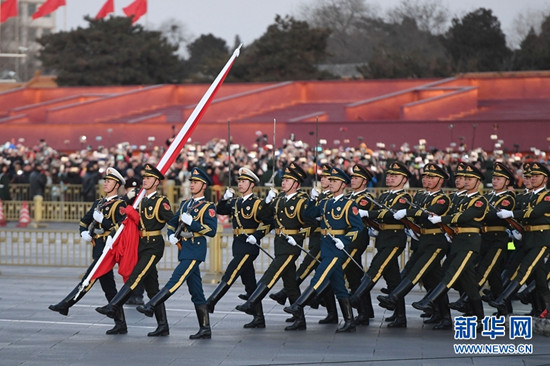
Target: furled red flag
48 7
107 8
137 9
125 248
8 10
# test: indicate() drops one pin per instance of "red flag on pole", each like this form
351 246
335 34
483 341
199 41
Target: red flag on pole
48 7
106 9
165 163
125 249
8 10
136 9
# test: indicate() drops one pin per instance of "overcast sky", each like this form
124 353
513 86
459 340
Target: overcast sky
250 18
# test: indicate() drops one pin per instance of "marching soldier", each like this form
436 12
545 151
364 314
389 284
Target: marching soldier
494 237
466 220
391 239
154 211
360 177
310 262
432 245
101 220
195 220
536 240
248 230
527 295
291 229
340 224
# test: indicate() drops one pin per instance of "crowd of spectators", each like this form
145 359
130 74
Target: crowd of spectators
42 165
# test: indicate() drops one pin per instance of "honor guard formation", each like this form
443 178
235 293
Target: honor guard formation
490 248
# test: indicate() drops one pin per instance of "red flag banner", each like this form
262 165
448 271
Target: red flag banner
106 9
48 7
125 248
8 10
136 9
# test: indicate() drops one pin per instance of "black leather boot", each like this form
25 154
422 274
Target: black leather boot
258 321
500 302
461 304
120 323
446 321
299 321
363 316
389 302
297 307
149 308
257 296
366 285
347 313
162 322
390 318
218 293
400 315
525 296
63 306
279 296
243 296
330 303
427 303
204 322
116 303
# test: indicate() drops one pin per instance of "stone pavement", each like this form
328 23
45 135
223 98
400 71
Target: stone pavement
30 334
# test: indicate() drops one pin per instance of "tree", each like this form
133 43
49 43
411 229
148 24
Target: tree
110 52
288 50
430 15
344 19
403 51
477 43
534 52
207 56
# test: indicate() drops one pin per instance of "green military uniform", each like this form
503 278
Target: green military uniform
536 241
426 263
364 201
466 220
154 212
287 213
390 241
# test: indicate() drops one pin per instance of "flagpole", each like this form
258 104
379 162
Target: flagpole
171 154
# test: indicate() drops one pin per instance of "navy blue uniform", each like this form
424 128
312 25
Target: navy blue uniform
193 246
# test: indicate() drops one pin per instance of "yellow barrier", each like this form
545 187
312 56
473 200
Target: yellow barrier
31 247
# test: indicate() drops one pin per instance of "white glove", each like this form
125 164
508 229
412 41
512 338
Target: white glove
398 215
373 232
186 218
411 233
228 194
98 216
517 235
434 219
314 194
363 213
109 242
251 239
173 240
504 214
271 195
291 241
131 194
449 239
86 236
338 244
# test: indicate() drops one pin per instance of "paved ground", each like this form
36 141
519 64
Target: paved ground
30 334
